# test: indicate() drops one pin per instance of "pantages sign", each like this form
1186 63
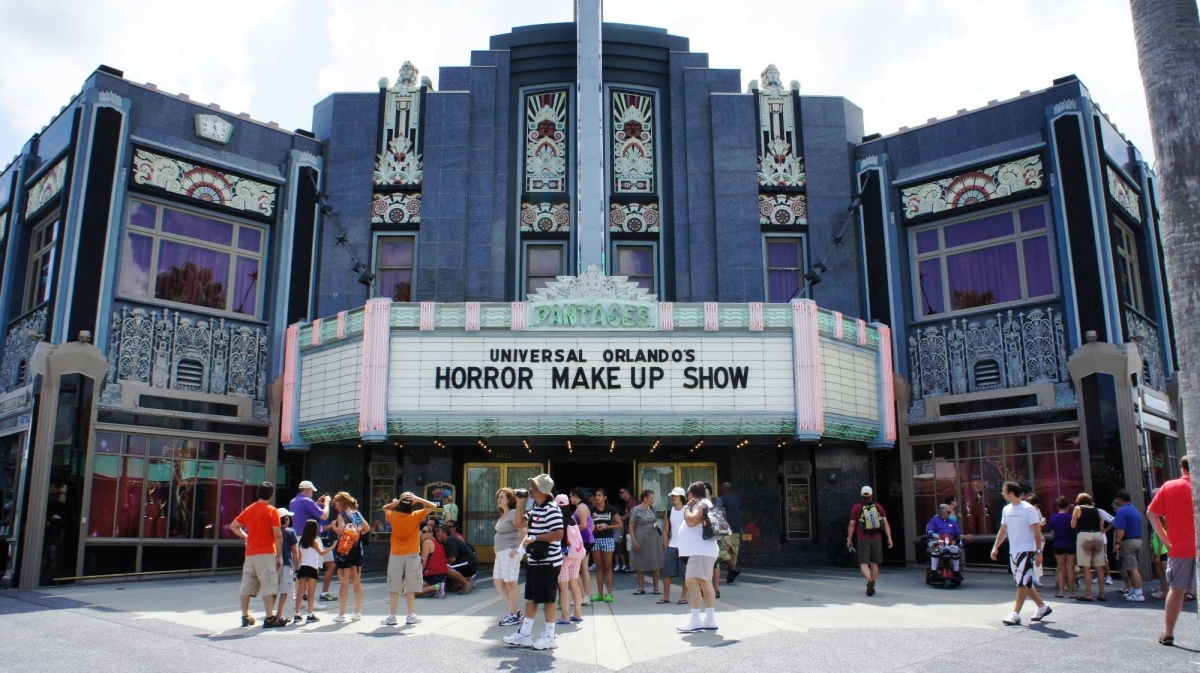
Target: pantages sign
587 355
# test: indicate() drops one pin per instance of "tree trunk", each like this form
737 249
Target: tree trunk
1168 45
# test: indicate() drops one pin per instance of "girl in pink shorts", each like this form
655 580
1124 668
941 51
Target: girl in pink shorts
570 587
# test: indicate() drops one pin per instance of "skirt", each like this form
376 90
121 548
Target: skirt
650 557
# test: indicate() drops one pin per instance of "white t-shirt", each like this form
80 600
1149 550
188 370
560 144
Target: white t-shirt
677 524
1020 518
691 538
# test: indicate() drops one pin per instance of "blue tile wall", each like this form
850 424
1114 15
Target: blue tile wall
735 179
441 254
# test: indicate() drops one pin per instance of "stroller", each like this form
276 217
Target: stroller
946 550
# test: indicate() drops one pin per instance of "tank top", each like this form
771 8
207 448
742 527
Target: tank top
677 523
584 531
604 516
436 565
1089 520
309 556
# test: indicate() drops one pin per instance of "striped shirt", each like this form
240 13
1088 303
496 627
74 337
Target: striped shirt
544 519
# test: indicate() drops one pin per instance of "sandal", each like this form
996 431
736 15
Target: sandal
639 592
663 600
1102 598
681 601
1058 595
1169 641
657 592
1086 599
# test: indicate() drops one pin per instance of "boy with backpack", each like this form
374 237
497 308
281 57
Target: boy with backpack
868 524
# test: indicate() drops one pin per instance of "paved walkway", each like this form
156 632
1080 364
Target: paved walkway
812 619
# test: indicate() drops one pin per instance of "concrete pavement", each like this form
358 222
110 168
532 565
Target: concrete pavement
812 619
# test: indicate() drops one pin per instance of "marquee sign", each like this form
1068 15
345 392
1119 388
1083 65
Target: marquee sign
587 356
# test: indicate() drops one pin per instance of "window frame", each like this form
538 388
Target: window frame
157 235
33 267
1129 253
376 239
525 246
1017 238
802 240
654 261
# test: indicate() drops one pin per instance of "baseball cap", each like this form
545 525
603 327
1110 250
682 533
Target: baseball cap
543 482
562 500
283 511
678 491
867 492
306 485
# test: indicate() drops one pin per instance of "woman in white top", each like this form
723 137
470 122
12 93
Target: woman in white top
702 556
672 567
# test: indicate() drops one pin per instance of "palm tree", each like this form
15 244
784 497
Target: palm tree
1168 44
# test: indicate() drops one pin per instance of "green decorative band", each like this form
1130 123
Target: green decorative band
328 330
850 330
777 317
405 316
495 316
305 337
452 317
873 337
825 322
733 317
491 427
851 431
689 317
354 322
330 433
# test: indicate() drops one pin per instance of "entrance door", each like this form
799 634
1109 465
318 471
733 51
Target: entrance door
889 493
612 476
662 477
479 513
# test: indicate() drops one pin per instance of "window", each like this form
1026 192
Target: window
542 264
478 502
637 263
179 256
42 241
662 477
1129 282
785 268
994 259
394 264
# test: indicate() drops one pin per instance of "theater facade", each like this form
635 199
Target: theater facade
587 252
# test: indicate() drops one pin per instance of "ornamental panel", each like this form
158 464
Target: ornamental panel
18 346
1122 192
202 183
634 218
546 142
399 160
1148 347
782 209
546 218
985 184
3 225
396 208
47 187
633 142
779 162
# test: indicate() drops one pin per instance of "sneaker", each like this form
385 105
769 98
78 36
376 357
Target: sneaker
587 600
247 620
1041 613
1135 596
340 619
597 598
546 642
519 640
473 581
592 568
1108 580
1013 619
327 597
391 621
510 620
273 623
870 587
608 598
411 620
441 590
356 616
311 618
297 619
709 625
1156 595
692 626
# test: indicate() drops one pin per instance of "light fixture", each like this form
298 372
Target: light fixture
483 445
699 443
742 443
570 449
438 443
654 446
782 443
525 442
612 446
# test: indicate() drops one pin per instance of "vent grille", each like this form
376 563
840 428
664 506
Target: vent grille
987 374
189 373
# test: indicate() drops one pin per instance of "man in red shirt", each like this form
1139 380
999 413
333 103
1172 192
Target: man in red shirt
258 525
868 523
1174 502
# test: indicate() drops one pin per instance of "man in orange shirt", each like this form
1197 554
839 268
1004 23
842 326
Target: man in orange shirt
1174 502
258 525
405 515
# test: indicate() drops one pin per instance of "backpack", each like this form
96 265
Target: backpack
870 519
714 525
575 548
348 538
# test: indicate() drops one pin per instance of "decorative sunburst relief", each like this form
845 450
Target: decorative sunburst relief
633 142
1123 194
973 187
202 183
396 208
634 218
546 142
546 218
782 209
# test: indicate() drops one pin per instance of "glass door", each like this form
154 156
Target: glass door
662 477
480 483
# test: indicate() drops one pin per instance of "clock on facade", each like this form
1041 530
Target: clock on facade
214 128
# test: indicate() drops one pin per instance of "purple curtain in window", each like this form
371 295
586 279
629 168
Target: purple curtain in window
142 214
194 226
250 239
135 265
395 253
927 241
782 286
983 229
545 261
245 286
396 283
191 275
783 270
1033 218
1039 278
984 277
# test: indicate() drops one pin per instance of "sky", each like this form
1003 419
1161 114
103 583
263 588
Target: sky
902 61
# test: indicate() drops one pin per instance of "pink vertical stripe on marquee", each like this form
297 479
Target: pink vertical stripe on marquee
666 316
316 332
712 318
517 319
472 319
810 413
862 332
341 328
287 431
427 315
372 416
756 316
838 330
889 390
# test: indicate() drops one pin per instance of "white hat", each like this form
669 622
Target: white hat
867 492
307 485
283 511
544 483
678 490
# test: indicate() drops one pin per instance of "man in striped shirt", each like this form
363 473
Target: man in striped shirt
544 532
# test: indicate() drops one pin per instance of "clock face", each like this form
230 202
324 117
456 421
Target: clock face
212 127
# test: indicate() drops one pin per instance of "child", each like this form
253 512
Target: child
290 559
570 586
311 550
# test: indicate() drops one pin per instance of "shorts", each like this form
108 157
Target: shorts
1181 573
1089 550
607 545
672 565
466 568
287 585
351 561
588 546
1022 565
433 580
870 550
507 568
307 573
700 567
259 574
569 569
730 545
404 574
541 584
1131 554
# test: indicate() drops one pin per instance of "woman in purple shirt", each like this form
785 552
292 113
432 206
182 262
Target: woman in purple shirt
583 516
1064 546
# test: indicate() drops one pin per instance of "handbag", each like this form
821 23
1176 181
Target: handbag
538 551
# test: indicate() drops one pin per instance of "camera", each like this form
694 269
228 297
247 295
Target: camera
521 492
